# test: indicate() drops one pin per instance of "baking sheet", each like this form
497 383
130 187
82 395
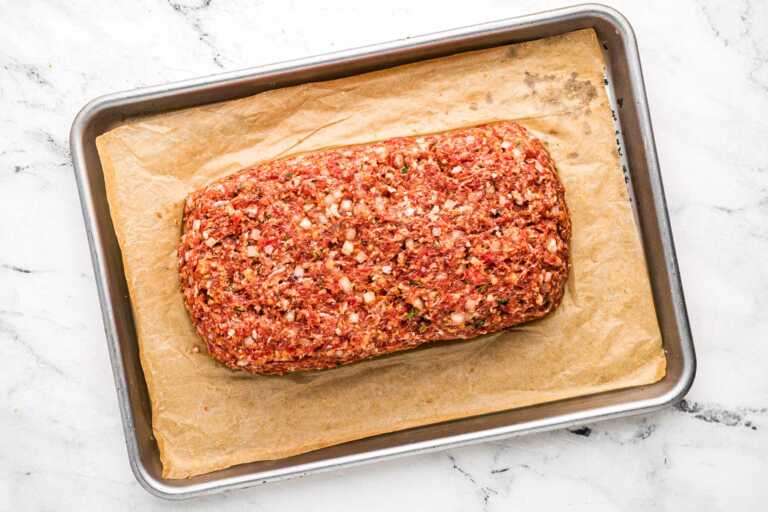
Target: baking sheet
604 336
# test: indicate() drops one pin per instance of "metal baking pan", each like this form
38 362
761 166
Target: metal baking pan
625 86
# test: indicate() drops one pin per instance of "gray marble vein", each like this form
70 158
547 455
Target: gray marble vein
9 332
192 14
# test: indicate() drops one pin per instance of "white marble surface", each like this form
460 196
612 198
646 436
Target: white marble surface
61 445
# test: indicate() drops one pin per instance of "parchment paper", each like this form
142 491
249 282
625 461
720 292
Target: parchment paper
604 335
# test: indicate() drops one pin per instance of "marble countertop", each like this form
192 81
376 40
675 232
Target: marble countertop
61 444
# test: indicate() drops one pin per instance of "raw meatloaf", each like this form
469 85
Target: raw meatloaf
327 258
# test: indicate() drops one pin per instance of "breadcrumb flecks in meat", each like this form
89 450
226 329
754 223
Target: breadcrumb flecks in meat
327 258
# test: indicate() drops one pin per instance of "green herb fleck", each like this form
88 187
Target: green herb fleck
479 323
502 302
423 327
482 287
411 313
289 175
404 170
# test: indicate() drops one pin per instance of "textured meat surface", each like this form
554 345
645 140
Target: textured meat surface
328 258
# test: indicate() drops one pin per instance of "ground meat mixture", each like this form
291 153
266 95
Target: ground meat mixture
327 258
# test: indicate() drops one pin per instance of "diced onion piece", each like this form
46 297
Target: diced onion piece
345 284
552 245
369 297
305 223
348 247
457 318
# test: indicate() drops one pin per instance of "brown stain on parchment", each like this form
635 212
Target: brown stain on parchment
582 90
548 89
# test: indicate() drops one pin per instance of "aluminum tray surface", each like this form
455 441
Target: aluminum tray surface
625 84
